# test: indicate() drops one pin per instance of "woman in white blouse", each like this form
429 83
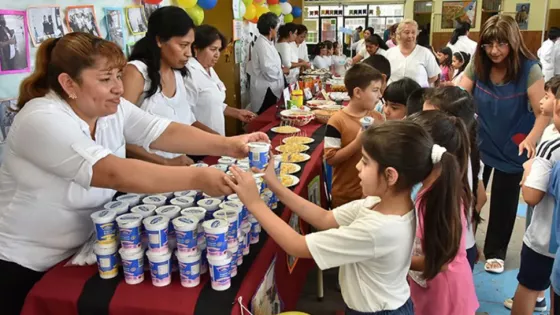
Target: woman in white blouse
408 59
460 40
205 90
287 34
361 44
321 60
265 67
66 158
374 45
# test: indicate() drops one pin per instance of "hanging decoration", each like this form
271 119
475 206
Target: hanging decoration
296 11
286 8
271 2
250 12
207 4
253 9
152 1
197 14
288 18
186 4
276 9
262 10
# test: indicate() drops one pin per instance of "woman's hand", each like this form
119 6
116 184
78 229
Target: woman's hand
528 144
238 145
244 186
213 184
181 160
245 115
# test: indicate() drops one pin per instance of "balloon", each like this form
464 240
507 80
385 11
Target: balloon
271 2
197 14
186 4
152 1
207 4
288 18
250 12
286 8
247 2
276 9
296 11
283 1
258 2
261 10
242 9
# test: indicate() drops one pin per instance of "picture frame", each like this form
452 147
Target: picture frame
44 22
82 18
115 22
136 19
7 113
15 57
453 12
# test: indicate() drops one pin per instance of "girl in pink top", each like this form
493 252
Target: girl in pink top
451 291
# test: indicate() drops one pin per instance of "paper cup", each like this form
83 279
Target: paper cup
200 214
131 199
189 269
133 265
120 207
130 230
246 248
220 276
216 242
182 202
156 228
233 267
203 258
107 262
157 200
231 216
171 212
211 205
160 268
366 122
258 154
186 230
105 226
259 181
255 230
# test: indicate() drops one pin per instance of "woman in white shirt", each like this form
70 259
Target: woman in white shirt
205 90
549 54
300 46
66 158
321 60
360 45
411 60
374 45
154 77
265 67
460 40
287 34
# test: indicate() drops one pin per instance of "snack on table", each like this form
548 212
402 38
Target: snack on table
293 157
289 168
285 129
298 140
292 148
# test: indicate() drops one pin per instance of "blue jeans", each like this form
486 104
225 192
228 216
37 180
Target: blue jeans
406 309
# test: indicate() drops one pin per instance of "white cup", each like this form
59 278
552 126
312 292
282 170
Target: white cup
220 276
200 214
157 200
133 265
189 269
234 250
211 205
199 165
156 228
258 154
203 258
105 226
187 193
227 160
231 216
232 197
120 207
144 210
171 212
246 246
186 233
182 202
130 232
255 230
131 199
160 268
221 167
216 237
107 262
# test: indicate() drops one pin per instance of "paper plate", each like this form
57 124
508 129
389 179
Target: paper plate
295 168
285 130
304 140
292 180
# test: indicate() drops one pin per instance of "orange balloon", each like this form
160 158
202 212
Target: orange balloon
255 20
272 1
258 2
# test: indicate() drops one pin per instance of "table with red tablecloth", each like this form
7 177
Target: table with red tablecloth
79 290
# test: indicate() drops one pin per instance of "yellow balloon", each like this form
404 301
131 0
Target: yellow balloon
250 12
247 2
197 14
276 9
186 4
262 10
288 18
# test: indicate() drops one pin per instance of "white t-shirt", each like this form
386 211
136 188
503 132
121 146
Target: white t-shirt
420 65
339 63
288 57
207 93
537 236
46 197
364 53
321 62
464 44
301 50
373 251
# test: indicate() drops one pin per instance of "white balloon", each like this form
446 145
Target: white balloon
242 8
286 8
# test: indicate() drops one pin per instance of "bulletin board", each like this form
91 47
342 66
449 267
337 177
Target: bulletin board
9 83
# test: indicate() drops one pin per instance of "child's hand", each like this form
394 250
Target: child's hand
269 172
245 188
526 170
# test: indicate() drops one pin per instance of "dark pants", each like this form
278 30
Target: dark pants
16 281
504 199
406 309
556 304
269 100
471 256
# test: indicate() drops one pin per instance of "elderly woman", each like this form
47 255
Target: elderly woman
205 90
408 59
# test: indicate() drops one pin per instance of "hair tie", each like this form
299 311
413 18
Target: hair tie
437 153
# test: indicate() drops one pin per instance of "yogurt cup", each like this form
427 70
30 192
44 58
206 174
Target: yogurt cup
240 248
187 193
157 200
243 160
221 167
220 277
200 214
131 199
160 268
199 165
227 160
366 122
130 230
234 250
216 237
246 227
255 230
206 196
156 228
133 265
235 205
259 181
271 200
144 210
211 205
107 262
189 269
246 248
243 164
120 207
277 164
258 154
203 258
231 216
171 212
182 202
105 226
186 231
232 197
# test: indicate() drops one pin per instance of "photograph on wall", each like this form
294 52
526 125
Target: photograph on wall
136 20
114 17
44 22
267 299
14 50
149 9
455 12
7 114
522 15
82 19
129 49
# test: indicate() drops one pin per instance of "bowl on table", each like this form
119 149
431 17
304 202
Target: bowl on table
297 118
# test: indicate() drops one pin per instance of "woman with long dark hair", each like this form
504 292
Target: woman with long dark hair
460 40
373 45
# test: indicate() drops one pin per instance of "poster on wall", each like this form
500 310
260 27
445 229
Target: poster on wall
149 8
522 15
82 18
7 114
14 51
114 18
44 22
454 12
136 20
267 299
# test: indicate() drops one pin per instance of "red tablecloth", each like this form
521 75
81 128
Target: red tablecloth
79 290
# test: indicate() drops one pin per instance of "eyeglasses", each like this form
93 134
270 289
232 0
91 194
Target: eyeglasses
499 46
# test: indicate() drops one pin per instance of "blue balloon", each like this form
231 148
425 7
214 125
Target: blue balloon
207 4
282 1
296 11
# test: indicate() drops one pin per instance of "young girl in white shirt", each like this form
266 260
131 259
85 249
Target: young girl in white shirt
370 239
459 62
322 61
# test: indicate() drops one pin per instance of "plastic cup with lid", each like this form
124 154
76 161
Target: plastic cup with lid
233 267
235 205
107 262
211 205
277 164
131 199
240 250
105 226
187 193
156 228
243 164
189 269
200 214
258 154
144 210
221 167
366 122
231 216
227 160
203 258
220 267
243 160
160 267
157 200
120 207
216 237
232 197
133 265
259 181
171 212
255 230
182 202
186 231
244 240
269 196
206 196
199 165
129 228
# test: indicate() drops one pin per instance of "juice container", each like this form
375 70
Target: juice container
297 98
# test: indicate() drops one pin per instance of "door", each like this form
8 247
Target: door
329 29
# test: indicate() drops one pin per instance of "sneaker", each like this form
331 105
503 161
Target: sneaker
539 306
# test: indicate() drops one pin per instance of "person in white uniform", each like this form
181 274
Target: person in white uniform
287 34
361 44
321 60
154 79
204 88
549 54
300 46
265 67
66 158
408 59
374 45
460 40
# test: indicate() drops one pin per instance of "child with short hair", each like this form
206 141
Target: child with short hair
395 98
380 63
342 144
415 101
